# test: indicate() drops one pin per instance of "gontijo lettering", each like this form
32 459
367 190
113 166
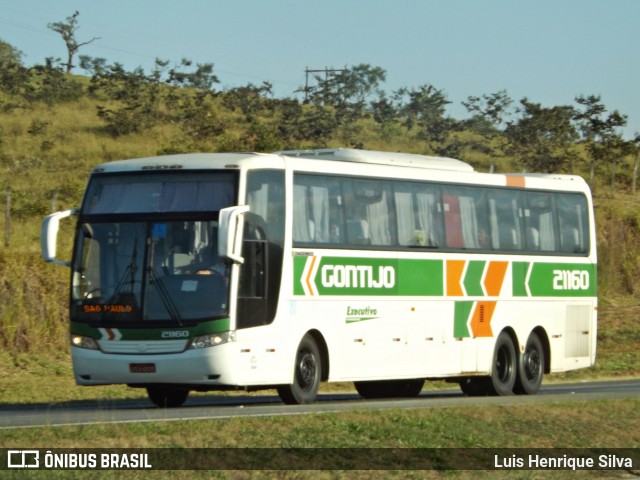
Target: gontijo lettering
358 276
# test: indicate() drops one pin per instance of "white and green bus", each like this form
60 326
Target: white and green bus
203 272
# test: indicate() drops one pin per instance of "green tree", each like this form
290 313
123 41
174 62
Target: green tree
251 100
132 98
385 114
67 30
348 91
599 130
489 112
14 78
93 65
312 125
202 78
489 117
424 108
543 137
47 83
9 54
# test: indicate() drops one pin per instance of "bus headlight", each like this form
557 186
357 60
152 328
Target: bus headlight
81 341
211 340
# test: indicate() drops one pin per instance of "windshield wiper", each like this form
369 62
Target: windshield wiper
124 292
164 295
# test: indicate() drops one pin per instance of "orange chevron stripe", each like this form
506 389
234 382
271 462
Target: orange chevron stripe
481 319
494 277
308 279
454 277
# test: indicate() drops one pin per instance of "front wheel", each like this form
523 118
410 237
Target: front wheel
306 375
165 397
530 367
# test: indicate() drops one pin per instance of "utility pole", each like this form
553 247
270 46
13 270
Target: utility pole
327 72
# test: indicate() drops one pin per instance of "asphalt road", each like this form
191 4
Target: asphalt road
216 407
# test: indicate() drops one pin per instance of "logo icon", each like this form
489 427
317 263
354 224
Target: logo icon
23 459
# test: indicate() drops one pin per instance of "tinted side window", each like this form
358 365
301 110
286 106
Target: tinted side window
361 213
572 221
465 217
418 214
540 224
504 217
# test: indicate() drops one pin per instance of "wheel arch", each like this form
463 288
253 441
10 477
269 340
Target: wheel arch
324 352
512 334
546 346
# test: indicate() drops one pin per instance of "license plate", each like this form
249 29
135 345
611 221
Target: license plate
142 367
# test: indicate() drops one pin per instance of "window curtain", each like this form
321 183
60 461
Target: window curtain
320 213
469 222
301 221
427 218
404 213
378 219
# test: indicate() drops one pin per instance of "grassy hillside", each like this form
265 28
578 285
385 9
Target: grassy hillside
48 149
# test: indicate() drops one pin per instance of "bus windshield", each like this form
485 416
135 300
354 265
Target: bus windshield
159 267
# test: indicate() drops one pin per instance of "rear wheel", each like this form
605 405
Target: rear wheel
530 367
504 366
390 388
165 397
306 375
503 372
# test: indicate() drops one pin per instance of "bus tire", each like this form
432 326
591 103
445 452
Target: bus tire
530 367
504 366
390 388
306 375
165 397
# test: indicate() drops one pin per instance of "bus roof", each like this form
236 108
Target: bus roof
182 161
381 158
440 166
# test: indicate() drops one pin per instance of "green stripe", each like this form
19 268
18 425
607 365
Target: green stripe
420 277
371 276
462 311
298 269
519 274
555 279
345 276
473 278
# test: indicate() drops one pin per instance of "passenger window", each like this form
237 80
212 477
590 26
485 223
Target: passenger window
368 213
418 215
465 218
539 222
317 210
572 220
504 218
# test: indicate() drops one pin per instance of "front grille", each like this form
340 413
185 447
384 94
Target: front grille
141 347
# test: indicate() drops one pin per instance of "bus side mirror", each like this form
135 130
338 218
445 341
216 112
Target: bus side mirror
49 236
230 227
